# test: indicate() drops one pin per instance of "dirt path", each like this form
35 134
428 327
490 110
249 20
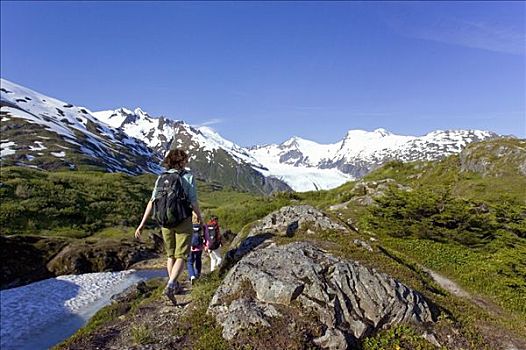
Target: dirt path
456 290
150 325
509 343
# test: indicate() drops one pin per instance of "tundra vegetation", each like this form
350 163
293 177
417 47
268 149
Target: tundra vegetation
462 219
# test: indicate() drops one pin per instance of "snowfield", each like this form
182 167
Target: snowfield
5 148
41 314
302 179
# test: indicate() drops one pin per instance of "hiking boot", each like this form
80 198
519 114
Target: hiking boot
192 280
177 288
170 294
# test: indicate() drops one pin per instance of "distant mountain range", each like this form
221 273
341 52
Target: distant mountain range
39 131
360 152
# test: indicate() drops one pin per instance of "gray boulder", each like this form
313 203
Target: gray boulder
283 222
349 301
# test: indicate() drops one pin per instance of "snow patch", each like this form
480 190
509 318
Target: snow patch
60 154
39 147
5 148
28 313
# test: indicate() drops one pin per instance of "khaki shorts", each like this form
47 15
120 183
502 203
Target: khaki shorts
177 240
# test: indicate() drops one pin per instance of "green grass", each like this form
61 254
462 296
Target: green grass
80 204
400 337
199 328
495 272
41 202
141 335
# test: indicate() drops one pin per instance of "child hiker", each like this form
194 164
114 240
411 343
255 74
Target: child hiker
199 241
214 242
173 199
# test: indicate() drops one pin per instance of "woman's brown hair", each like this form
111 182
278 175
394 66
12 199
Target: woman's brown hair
175 159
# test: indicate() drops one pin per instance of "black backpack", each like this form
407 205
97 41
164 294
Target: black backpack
170 205
197 237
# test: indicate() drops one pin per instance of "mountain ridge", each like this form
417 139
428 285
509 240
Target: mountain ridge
297 163
44 132
307 165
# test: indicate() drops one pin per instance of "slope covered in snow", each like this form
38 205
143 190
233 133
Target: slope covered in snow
360 151
156 132
56 133
44 132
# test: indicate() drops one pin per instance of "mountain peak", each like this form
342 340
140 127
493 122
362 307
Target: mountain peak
122 110
138 111
364 134
382 132
293 141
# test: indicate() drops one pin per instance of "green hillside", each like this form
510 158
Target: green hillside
83 203
465 221
463 217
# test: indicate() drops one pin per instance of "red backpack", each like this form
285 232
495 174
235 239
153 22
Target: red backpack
214 240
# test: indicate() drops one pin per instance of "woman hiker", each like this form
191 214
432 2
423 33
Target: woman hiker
177 238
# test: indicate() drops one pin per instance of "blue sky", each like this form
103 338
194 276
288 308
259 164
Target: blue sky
263 72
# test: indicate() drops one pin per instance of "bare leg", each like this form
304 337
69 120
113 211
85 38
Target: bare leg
169 265
176 270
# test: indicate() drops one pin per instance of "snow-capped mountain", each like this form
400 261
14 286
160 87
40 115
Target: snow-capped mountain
303 164
157 133
43 132
212 157
360 152
215 158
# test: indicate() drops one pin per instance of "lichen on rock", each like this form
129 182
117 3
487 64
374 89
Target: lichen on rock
350 301
286 221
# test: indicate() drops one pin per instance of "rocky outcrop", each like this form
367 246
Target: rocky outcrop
284 222
365 192
288 220
99 255
495 157
305 285
27 259
24 258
